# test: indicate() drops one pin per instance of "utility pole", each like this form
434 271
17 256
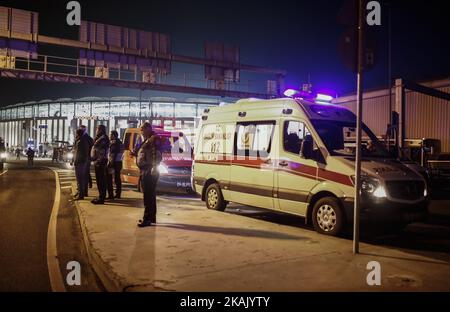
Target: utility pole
390 73
360 68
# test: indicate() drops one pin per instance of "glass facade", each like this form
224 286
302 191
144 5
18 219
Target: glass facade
49 122
28 111
83 109
163 109
68 109
54 110
42 110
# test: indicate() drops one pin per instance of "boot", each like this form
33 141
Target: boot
144 223
97 201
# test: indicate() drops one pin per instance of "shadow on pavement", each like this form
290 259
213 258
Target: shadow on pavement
232 231
387 235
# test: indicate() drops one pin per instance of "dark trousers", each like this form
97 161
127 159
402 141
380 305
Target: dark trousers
148 183
30 161
88 180
100 176
80 174
117 181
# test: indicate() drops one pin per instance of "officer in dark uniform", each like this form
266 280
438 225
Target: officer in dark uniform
99 155
115 165
30 154
148 160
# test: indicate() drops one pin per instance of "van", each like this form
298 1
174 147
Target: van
175 167
298 156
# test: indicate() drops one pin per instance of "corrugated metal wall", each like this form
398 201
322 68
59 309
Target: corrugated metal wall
426 116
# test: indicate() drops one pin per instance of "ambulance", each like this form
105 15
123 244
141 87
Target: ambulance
175 167
297 156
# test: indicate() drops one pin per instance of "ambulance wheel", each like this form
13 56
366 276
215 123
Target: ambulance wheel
214 198
328 217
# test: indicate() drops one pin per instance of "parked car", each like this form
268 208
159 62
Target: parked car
175 168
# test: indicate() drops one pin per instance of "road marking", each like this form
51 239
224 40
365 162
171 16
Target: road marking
3 172
56 280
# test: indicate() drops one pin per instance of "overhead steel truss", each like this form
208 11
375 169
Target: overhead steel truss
47 75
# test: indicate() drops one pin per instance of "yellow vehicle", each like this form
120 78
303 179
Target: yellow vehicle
175 167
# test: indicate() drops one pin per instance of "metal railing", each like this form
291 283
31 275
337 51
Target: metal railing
73 67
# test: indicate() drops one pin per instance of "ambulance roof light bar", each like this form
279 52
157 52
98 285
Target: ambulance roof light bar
318 98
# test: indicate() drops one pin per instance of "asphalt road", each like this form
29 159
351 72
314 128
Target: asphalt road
26 197
26 201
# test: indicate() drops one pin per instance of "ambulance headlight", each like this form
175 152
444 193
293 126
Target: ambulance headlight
371 186
368 186
3 155
163 169
380 192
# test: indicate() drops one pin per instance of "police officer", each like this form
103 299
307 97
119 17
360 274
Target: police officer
148 160
88 167
30 155
80 160
99 155
115 165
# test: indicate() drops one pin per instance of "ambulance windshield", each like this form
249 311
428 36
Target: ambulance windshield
339 138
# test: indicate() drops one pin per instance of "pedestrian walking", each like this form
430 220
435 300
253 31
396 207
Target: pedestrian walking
30 155
116 149
18 151
55 155
99 156
80 161
148 160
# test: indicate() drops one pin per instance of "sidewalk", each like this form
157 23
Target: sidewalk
195 249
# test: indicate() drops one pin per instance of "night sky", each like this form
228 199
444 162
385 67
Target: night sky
299 36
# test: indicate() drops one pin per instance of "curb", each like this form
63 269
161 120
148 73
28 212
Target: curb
111 282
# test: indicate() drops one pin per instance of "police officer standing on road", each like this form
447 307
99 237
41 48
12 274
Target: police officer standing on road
80 160
30 154
148 160
99 156
88 167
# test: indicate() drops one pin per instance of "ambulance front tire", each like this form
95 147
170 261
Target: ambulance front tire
328 217
214 198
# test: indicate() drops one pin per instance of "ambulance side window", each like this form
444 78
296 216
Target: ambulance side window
254 138
296 134
293 135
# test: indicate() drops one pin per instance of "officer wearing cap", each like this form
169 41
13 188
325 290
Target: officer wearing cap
148 159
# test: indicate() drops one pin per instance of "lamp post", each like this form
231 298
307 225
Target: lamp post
360 64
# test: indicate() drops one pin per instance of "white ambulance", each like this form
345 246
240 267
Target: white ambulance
297 156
